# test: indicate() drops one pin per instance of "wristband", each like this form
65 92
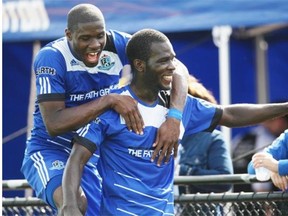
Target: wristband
174 113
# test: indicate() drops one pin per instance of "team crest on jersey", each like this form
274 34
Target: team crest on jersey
106 63
97 120
57 165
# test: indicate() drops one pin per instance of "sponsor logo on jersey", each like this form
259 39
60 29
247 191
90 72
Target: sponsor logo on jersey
46 70
144 153
92 94
57 165
106 63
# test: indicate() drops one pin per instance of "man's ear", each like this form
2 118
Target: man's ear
68 34
139 65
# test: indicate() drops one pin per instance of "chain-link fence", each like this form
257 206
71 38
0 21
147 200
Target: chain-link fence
232 204
214 204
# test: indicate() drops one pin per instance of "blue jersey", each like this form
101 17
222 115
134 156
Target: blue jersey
132 184
279 150
63 77
60 76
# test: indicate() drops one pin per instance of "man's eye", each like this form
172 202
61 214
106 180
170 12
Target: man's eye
84 38
101 36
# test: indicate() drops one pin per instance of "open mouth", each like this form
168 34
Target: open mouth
167 79
92 58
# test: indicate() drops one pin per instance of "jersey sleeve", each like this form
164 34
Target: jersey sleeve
120 41
283 167
279 150
50 68
91 135
200 115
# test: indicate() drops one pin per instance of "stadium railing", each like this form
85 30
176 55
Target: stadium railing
228 203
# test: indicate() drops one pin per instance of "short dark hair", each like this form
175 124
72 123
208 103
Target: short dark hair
139 46
83 13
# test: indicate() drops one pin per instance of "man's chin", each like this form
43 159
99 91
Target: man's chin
91 64
166 88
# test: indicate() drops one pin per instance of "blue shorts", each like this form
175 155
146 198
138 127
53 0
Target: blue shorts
44 170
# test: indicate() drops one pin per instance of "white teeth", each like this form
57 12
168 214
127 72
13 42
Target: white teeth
167 78
93 53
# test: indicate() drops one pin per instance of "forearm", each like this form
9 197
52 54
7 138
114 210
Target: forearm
179 88
238 115
71 182
73 174
68 119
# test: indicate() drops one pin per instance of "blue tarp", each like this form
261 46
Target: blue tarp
40 20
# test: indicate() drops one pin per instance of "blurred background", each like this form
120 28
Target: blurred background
237 49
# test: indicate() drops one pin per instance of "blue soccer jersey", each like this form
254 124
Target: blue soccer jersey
132 184
60 76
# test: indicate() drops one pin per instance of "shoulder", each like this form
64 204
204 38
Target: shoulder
116 40
282 140
123 91
52 50
118 35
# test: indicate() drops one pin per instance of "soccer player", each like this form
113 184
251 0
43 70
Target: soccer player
74 76
132 185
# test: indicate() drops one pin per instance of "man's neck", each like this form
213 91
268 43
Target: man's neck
145 94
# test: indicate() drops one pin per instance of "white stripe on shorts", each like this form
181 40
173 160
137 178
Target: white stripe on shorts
39 164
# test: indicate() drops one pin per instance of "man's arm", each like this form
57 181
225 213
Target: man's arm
72 178
238 115
59 119
168 134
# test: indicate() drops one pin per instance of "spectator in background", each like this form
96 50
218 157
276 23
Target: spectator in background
277 165
203 153
255 140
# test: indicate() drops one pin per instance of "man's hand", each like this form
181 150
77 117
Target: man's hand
280 182
167 140
126 106
262 159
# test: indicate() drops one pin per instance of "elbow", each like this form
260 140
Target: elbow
52 130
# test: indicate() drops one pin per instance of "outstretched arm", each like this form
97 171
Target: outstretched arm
238 115
168 134
72 178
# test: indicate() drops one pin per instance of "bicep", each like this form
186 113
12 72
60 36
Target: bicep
49 107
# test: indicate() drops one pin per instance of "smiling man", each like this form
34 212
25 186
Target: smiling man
132 185
74 77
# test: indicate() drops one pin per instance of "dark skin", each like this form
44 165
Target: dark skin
59 119
145 87
150 77
87 42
